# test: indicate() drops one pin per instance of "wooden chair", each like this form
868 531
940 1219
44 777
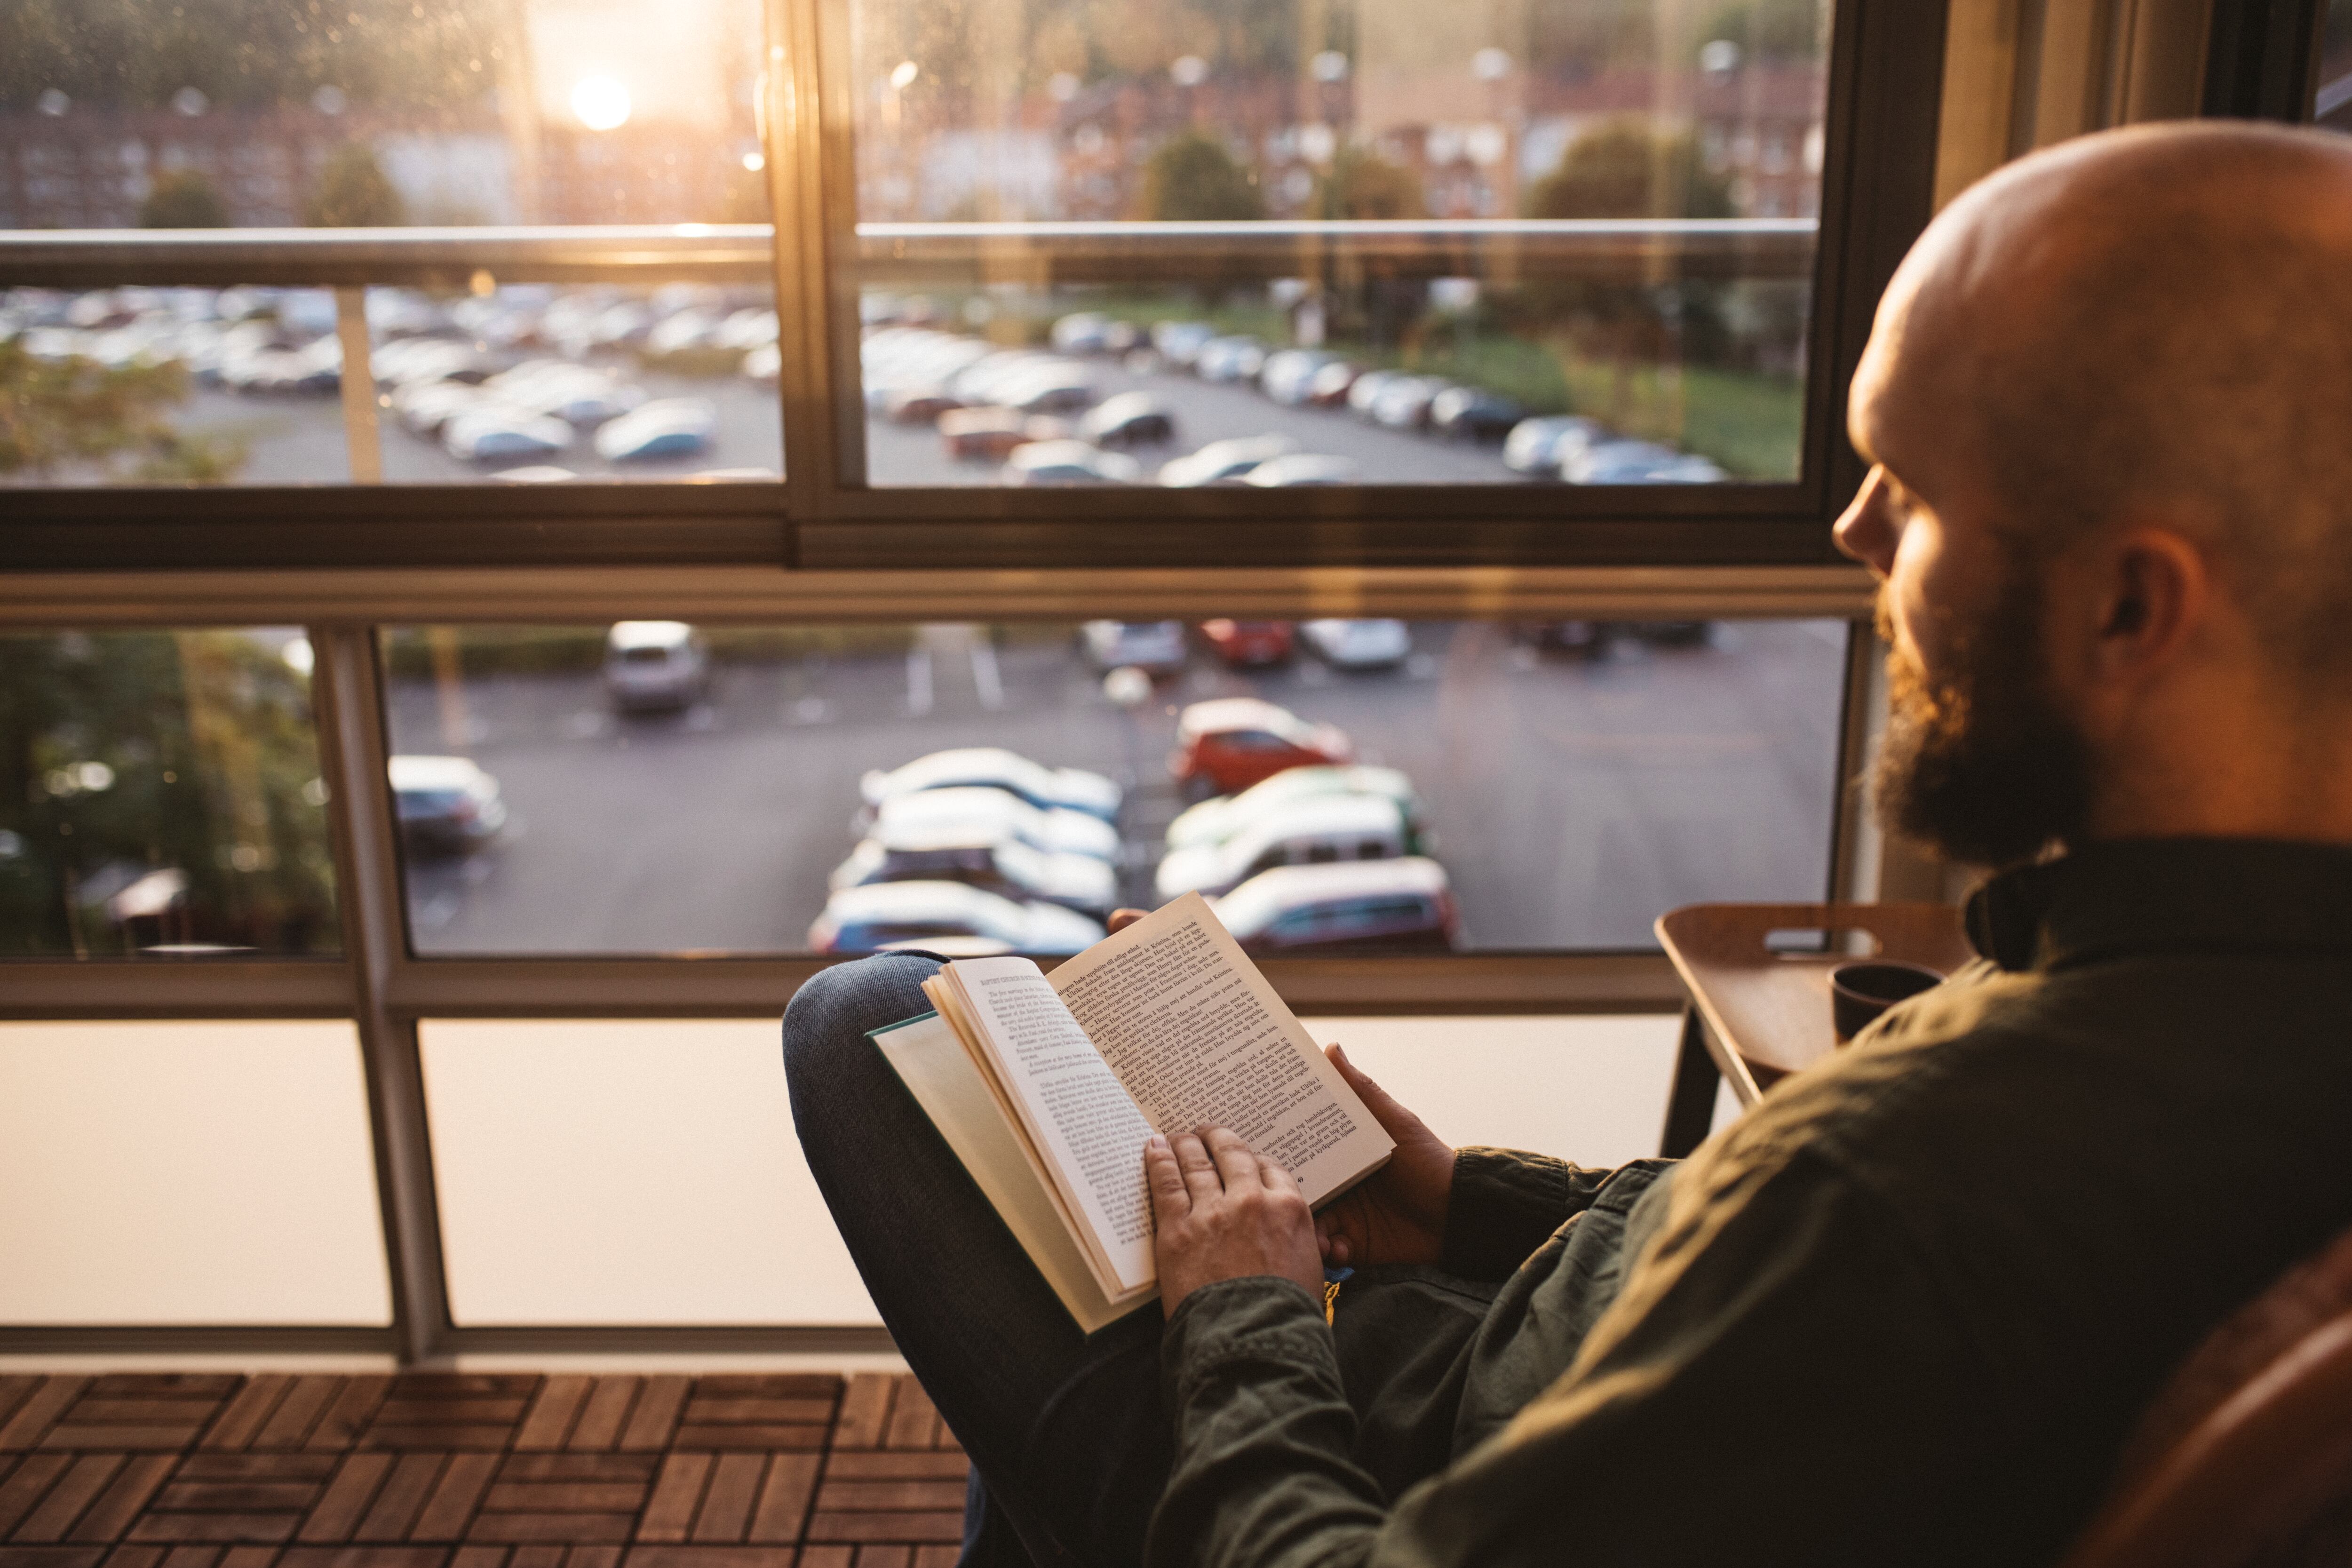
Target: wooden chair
2244 1460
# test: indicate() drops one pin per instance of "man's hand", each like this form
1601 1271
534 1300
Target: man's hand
1397 1214
1220 1212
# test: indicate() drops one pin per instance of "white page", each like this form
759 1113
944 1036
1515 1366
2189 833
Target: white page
949 1085
1075 1107
1196 1034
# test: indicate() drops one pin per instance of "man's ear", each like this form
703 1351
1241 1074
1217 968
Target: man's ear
2152 588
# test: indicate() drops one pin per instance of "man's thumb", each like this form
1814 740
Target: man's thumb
1383 1107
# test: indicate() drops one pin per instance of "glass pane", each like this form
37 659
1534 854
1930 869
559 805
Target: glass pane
160 793
391 115
1405 235
652 787
2332 102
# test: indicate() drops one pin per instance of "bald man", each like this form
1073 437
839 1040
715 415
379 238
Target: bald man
1909 1307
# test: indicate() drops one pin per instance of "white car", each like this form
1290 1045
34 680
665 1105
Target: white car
881 915
1069 463
447 805
655 664
1363 904
668 427
1157 647
498 434
1305 832
1223 462
1538 446
1358 645
1237 358
1003 865
990 814
993 767
1301 468
1214 821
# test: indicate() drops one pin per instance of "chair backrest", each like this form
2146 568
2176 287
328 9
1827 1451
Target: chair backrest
2244 1460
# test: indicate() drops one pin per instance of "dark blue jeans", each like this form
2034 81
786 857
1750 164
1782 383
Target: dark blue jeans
1069 1442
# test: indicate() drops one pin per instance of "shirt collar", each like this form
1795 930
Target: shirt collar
2104 901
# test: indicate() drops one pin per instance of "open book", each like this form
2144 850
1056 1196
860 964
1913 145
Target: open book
1047 1087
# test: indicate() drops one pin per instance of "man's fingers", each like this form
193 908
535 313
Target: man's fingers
1276 1176
1170 1199
1236 1161
1199 1169
1122 918
1394 1118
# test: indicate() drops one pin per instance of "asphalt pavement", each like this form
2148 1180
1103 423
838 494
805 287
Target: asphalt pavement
1572 800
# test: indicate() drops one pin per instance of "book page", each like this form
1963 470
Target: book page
1197 1035
1082 1118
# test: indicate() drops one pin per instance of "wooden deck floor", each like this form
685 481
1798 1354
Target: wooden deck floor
476 1471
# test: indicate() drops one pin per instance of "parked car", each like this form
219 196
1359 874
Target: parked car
1002 864
1366 389
1069 463
655 665
1404 400
920 403
1129 419
447 805
1214 821
1304 832
1249 645
1083 332
1224 462
1358 645
1288 377
943 916
501 435
1388 905
1178 343
669 427
993 767
989 432
1237 358
1332 383
990 814
1049 386
1231 743
1474 414
1156 647
1538 446
1301 468
1636 463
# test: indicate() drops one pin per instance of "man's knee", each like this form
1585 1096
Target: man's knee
836 1007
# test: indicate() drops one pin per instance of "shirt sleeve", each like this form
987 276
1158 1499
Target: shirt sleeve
1781 1381
1503 1205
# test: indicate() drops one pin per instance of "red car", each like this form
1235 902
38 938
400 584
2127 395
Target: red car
1231 743
1245 644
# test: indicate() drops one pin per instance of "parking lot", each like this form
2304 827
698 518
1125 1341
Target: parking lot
1571 799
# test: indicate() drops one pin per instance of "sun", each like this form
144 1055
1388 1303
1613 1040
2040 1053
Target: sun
600 102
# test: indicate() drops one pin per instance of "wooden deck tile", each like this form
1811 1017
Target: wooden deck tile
476 1471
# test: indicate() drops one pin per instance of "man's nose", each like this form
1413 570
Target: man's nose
1866 532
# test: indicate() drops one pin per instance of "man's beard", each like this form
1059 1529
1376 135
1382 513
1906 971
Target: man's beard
1980 763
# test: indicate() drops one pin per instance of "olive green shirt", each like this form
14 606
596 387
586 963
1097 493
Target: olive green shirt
1904 1311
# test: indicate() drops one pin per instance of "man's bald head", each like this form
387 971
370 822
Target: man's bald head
2153 325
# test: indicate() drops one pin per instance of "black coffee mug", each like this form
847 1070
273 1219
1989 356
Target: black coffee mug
1859 992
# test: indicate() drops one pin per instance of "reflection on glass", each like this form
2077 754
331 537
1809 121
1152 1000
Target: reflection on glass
2332 102
1700 129
160 793
528 382
263 113
1342 785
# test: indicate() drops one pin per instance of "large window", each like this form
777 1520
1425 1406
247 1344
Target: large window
1434 785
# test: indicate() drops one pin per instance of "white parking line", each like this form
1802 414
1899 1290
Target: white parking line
984 676
918 681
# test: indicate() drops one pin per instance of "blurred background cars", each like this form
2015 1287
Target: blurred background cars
671 428
1214 821
1002 864
1474 414
992 767
1250 645
1359 644
1226 461
654 665
1309 830
1300 468
989 813
1069 463
447 805
1128 419
1401 905
877 915
1155 647
1229 744
1536 447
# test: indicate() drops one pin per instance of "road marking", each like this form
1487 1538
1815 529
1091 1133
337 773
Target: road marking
984 676
919 682
809 710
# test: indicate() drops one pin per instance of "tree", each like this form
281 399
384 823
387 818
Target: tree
352 192
1192 176
1624 169
1361 184
56 412
182 198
